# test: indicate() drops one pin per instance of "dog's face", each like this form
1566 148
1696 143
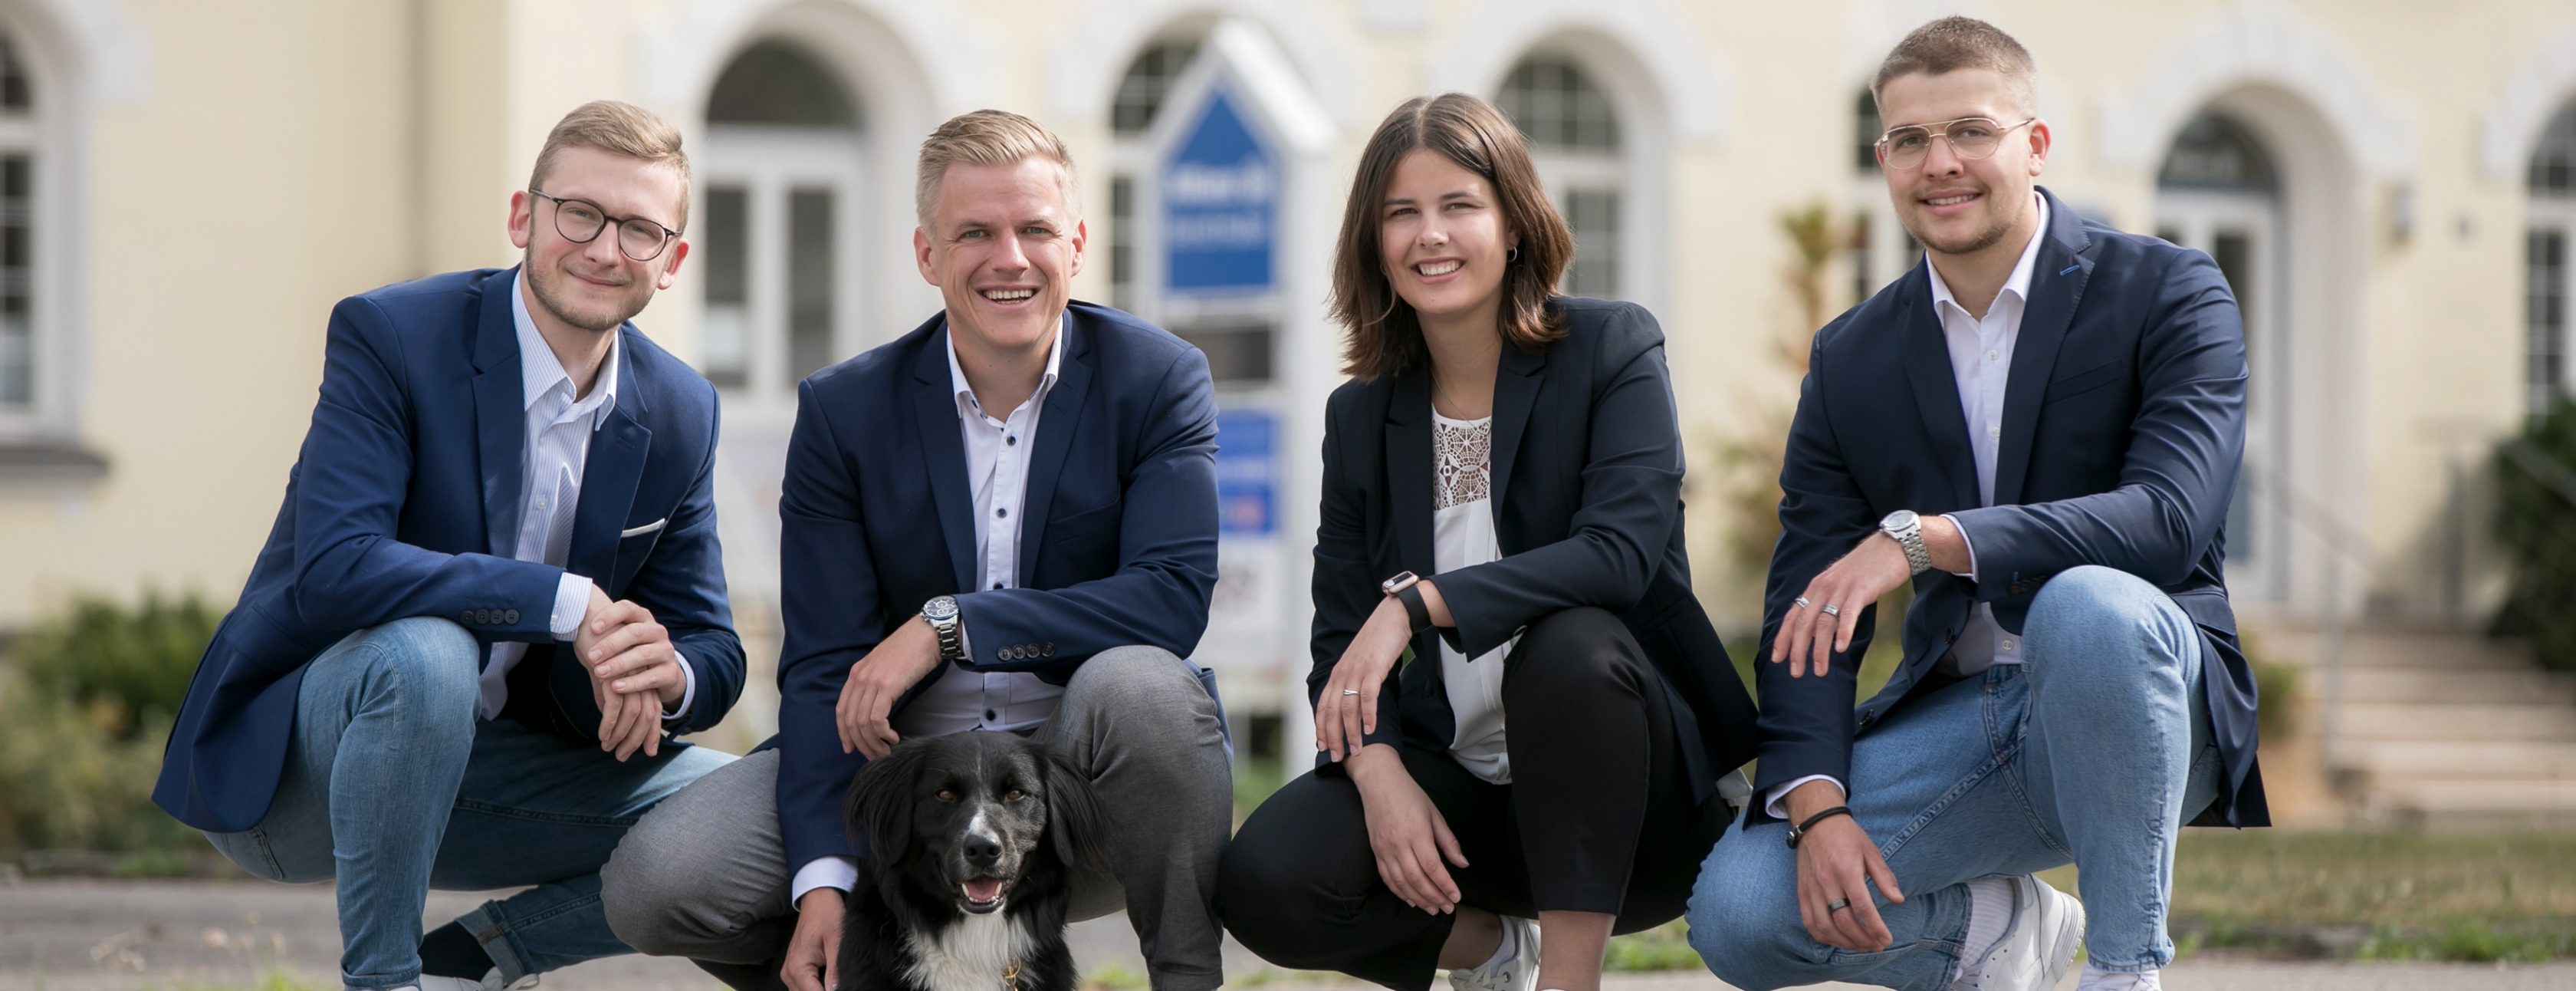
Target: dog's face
972 814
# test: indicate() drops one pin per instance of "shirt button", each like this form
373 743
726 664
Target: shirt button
2008 645
1992 355
997 586
990 715
1994 431
999 511
1013 439
541 504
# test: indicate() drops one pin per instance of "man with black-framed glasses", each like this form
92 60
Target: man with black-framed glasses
492 592
2071 690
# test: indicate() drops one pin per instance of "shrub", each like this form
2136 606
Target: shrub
134 662
2536 527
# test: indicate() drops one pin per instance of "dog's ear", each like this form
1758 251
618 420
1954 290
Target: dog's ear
1076 821
879 810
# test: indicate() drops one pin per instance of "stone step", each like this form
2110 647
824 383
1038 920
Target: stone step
2493 760
2395 721
2363 649
2468 685
2463 802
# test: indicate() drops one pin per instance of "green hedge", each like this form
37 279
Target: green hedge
2536 526
83 712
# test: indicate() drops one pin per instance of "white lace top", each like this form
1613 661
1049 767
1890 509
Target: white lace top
1463 535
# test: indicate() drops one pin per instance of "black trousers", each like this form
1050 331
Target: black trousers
1597 818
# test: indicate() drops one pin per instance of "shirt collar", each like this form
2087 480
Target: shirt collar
540 373
2018 285
966 404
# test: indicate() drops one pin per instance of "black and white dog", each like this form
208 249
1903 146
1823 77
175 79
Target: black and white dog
972 843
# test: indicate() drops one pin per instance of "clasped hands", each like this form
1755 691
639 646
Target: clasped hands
634 673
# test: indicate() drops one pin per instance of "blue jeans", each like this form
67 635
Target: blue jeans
2093 752
393 787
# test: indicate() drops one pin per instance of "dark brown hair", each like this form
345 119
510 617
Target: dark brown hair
1954 43
1386 335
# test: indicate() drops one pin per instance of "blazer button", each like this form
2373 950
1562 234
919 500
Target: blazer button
510 617
482 617
1048 650
465 618
1010 653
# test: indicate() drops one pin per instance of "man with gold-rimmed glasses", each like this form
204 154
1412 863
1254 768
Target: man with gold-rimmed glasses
493 591
2040 429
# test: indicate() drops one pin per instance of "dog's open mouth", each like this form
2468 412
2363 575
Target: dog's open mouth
983 894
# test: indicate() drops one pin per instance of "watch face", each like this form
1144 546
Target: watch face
1897 520
943 607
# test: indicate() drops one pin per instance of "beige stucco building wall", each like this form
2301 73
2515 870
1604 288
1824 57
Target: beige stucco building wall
242 165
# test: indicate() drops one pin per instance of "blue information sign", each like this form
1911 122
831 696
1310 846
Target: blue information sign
1247 489
1220 205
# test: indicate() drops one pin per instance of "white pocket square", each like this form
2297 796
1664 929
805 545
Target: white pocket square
642 530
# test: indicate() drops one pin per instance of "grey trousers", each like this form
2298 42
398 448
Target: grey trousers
704 875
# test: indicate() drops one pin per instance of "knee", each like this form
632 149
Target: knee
1573 652
2093 615
1270 904
651 892
1147 682
431 664
1744 922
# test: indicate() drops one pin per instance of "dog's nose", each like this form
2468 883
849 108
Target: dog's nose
982 849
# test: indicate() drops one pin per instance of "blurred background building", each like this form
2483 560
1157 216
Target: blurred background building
185 188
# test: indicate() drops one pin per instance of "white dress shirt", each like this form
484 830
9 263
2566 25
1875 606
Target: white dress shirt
997 465
559 428
1981 350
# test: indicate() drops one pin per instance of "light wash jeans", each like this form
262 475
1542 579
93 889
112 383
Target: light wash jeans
393 787
2091 752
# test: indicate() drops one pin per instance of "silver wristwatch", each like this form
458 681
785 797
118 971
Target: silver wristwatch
1907 528
941 614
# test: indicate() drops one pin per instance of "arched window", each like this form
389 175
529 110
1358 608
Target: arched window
2219 191
2550 279
1574 135
20 341
778 225
1131 114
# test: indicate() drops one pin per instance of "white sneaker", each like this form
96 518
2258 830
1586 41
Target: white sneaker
491 982
2036 949
2103 980
1518 972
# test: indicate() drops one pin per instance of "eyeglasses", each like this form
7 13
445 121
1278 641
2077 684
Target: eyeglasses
1971 138
581 220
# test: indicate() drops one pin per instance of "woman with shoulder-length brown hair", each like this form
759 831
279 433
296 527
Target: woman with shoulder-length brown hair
1521 712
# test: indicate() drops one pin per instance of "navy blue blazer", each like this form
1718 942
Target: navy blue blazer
1118 531
404 502
2123 430
1586 482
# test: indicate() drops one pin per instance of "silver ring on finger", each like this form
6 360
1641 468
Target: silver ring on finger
1798 603
1837 905
1831 610
1350 691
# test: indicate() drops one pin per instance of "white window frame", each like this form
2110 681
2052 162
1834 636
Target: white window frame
769 164
46 136
2259 568
2557 214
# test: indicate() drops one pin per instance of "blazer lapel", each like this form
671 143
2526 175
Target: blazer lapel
943 454
2057 282
500 414
608 479
1057 425
1409 468
1936 390
1515 393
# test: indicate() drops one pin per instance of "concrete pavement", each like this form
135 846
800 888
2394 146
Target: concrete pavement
204 936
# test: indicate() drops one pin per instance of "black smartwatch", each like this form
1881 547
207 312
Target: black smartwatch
1406 588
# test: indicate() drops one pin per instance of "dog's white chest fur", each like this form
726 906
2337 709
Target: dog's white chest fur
968 956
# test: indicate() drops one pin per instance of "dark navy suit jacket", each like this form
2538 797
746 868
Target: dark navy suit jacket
1586 481
404 502
1118 531
2123 429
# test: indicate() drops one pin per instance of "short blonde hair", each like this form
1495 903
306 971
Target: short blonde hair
984 137
1954 43
619 129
